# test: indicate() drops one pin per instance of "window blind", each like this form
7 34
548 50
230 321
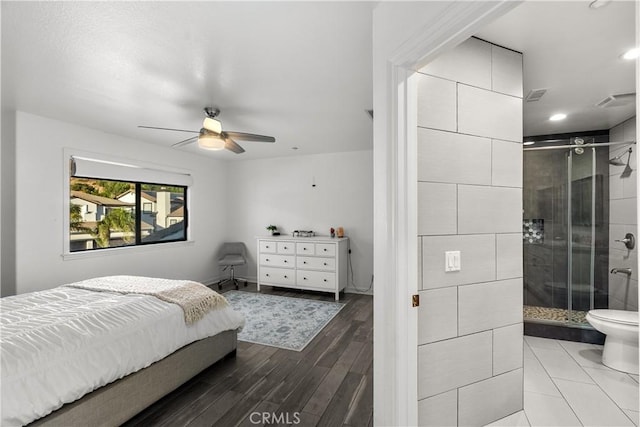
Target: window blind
83 167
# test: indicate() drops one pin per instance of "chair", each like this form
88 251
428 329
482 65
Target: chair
231 255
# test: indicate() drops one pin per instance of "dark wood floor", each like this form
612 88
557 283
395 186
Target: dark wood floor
329 383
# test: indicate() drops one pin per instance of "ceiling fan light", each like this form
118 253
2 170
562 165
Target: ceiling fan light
210 142
212 125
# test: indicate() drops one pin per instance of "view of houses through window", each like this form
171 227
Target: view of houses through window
107 214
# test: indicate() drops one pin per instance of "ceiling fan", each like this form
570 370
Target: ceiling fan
212 137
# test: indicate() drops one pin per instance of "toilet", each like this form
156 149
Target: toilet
621 342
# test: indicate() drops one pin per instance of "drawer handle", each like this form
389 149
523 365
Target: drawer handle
285 261
286 277
267 246
266 259
304 249
324 263
285 247
304 262
324 280
304 278
267 274
325 250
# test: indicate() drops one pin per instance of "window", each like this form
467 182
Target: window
108 213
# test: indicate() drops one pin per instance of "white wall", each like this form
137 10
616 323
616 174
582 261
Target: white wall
40 228
623 198
258 193
280 192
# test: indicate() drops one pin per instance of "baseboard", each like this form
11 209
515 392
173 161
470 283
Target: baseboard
211 281
356 291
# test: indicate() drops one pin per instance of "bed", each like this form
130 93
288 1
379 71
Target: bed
92 354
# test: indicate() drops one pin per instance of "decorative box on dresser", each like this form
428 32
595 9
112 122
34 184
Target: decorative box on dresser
313 263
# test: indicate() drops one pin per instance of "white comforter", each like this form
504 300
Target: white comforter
62 343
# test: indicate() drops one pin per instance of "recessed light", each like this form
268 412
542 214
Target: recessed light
632 53
557 117
529 143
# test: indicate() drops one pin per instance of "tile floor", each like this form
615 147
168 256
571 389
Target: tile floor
565 384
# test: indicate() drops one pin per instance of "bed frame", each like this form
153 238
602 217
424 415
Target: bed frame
119 401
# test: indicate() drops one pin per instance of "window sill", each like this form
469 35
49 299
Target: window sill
70 256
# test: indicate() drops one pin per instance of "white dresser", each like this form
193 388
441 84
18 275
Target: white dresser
314 263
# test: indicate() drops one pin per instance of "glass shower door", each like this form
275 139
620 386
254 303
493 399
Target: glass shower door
565 234
581 219
545 235
589 280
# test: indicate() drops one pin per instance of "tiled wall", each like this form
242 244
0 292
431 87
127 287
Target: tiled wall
470 200
623 291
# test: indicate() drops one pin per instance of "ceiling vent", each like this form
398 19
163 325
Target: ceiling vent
617 100
535 95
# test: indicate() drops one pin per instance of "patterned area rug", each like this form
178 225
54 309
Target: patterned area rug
289 323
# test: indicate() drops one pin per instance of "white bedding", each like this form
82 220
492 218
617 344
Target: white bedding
60 344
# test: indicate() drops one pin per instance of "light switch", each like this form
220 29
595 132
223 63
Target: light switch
452 261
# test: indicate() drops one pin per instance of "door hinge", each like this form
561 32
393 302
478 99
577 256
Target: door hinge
415 300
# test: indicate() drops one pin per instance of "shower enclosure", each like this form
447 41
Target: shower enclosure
565 229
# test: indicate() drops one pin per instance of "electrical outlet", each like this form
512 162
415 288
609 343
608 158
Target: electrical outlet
451 261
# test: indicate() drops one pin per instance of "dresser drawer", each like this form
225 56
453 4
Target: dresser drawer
316 279
316 263
280 276
305 248
268 247
327 249
278 260
286 248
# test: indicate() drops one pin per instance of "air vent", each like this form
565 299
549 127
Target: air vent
617 100
535 95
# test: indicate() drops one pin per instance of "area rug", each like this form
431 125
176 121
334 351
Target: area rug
284 322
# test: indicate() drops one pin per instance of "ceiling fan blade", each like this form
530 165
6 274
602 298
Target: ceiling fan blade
175 130
248 136
184 142
231 145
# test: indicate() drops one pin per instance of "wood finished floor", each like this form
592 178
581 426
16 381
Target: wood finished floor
329 383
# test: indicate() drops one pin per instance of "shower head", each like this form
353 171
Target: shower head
616 160
627 170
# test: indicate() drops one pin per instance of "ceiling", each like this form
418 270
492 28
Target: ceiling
574 52
299 71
